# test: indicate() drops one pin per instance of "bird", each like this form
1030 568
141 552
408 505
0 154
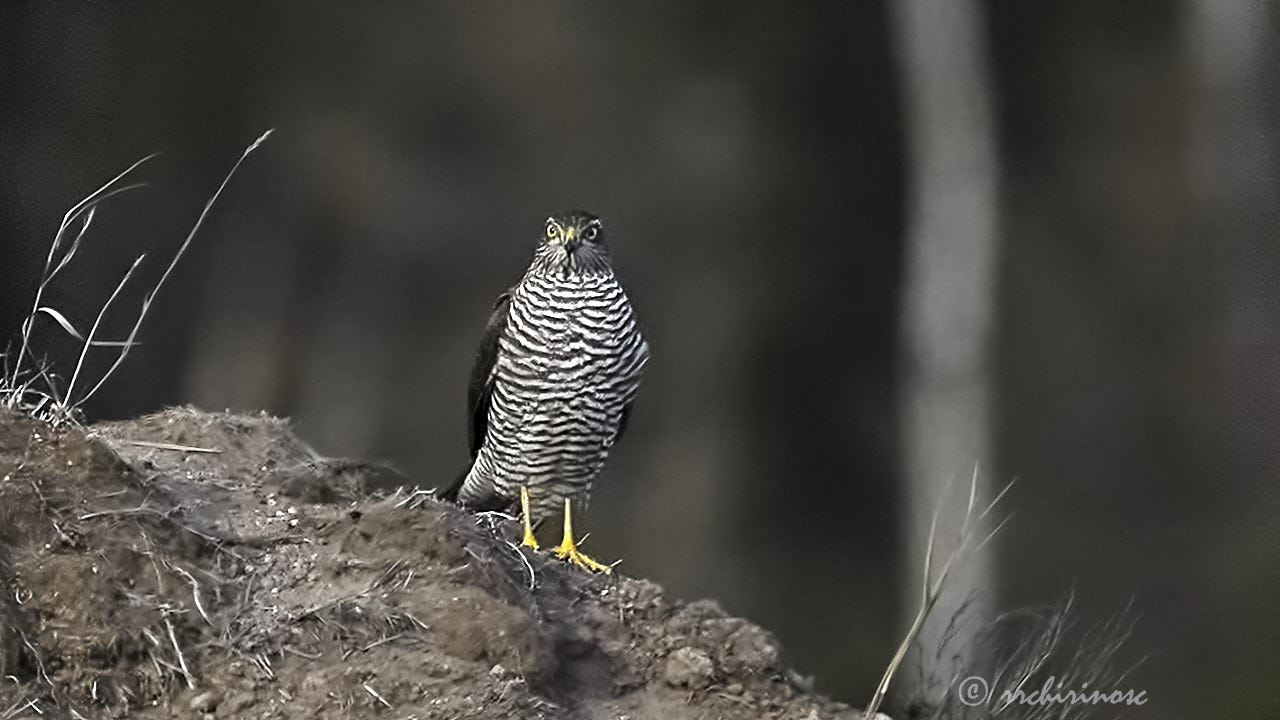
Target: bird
553 383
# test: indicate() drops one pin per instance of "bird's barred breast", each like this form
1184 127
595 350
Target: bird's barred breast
569 362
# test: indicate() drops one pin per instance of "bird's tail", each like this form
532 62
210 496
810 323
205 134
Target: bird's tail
490 500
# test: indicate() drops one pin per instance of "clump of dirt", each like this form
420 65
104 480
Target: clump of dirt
198 565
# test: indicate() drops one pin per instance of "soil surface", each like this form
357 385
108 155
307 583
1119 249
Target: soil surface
197 565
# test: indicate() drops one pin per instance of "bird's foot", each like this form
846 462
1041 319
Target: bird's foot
529 539
568 549
586 562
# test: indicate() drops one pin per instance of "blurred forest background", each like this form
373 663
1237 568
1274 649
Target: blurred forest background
752 161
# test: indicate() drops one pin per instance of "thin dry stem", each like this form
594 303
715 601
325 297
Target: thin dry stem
16 382
93 331
375 695
170 446
931 589
195 592
182 661
146 303
87 205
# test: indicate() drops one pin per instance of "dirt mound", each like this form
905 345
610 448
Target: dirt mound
196 565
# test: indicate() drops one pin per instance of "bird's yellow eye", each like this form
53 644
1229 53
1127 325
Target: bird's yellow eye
590 233
552 229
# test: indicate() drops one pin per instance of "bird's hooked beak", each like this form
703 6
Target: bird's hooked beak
571 239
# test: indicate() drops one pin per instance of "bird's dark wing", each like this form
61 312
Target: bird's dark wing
480 390
623 421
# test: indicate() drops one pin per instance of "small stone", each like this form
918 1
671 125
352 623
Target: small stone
205 702
240 702
751 649
644 594
689 668
700 610
688 619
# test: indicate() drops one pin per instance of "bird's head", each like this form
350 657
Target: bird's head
573 243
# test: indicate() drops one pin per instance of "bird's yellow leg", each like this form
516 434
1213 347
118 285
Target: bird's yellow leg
529 539
568 550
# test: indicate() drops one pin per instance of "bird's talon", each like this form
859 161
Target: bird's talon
568 549
583 561
529 539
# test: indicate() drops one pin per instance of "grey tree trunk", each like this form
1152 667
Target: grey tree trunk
1236 180
1234 175
947 306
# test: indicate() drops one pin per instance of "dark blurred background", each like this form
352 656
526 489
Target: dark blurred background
750 161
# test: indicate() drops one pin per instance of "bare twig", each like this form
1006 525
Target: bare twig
527 565
18 707
219 543
414 498
169 446
182 661
264 664
195 592
35 654
382 641
294 651
142 508
375 694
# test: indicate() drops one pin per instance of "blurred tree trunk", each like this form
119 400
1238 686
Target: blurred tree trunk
946 311
1234 179
1236 70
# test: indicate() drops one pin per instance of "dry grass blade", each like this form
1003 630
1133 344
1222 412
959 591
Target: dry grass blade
63 321
84 348
171 446
20 707
146 303
374 693
182 660
88 208
1036 646
195 592
931 588
70 329
16 383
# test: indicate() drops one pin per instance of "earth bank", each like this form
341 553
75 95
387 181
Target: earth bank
198 565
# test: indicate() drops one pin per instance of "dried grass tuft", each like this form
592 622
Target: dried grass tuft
27 383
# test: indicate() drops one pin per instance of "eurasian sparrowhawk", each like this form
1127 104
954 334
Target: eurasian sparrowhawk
553 383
